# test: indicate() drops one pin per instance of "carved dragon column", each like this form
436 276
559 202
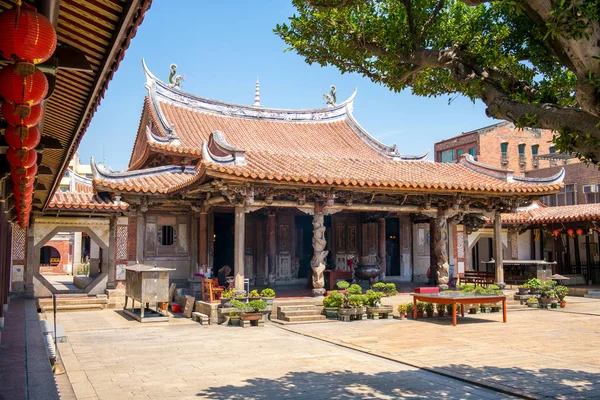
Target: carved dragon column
203 237
271 245
441 249
320 254
238 246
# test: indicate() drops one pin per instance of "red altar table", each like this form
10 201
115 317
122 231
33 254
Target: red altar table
331 277
455 298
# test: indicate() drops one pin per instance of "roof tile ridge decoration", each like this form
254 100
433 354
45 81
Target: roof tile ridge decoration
172 145
217 150
159 90
100 172
78 178
550 180
139 131
381 148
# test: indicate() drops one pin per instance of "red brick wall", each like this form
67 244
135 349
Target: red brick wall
132 238
63 248
575 173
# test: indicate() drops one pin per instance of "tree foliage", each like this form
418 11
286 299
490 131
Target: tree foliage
533 62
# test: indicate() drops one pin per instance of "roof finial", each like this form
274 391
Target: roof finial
174 79
331 97
257 94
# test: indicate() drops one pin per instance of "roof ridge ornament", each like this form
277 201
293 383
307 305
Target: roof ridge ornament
174 79
331 97
217 150
257 94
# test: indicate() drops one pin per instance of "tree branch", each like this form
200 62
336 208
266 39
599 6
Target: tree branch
432 17
416 44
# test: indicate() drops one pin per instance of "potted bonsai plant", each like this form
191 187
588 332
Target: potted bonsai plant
332 304
449 308
548 296
390 289
409 310
234 316
429 309
227 296
379 286
441 309
420 309
357 302
524 288
403 310
342 286
561 292
253 310
268 295
254 295
532 302
374 305
535 286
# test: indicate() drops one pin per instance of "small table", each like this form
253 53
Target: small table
455 298
331 276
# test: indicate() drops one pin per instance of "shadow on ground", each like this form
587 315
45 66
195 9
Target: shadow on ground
548 383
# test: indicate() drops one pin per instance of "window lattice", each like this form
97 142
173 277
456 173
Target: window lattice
19 240
122 242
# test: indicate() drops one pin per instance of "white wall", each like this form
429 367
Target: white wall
524 245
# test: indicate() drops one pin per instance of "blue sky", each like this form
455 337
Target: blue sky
222 46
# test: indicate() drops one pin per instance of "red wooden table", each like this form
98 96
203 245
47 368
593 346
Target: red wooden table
458 298
332 276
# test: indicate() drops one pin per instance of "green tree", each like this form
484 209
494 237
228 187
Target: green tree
533 62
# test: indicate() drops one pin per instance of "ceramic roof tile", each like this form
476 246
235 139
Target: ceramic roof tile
84 201
543 214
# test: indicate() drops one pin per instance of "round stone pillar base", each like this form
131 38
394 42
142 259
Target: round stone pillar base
318 292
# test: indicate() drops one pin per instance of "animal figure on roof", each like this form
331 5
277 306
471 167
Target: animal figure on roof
174 79
331 98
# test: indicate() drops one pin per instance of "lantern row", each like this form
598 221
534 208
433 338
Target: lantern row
27 38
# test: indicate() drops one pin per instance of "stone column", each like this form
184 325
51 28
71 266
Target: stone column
32 260
440 248
203 238
381 253
271 246
112 236
141 237
238 249
320 254
498 247
4 267
77 237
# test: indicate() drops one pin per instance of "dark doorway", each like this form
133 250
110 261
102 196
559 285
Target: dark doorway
483 251
304 249
223 240
392 246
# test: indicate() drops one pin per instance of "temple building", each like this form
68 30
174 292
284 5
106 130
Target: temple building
281 194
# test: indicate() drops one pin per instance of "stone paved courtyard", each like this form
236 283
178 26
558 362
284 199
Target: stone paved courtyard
539 353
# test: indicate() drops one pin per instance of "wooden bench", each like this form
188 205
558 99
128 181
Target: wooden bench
203 319
478 278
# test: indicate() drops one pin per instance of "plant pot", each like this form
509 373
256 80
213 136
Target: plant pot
402 316
429 314
235 320
533 305
535 291
554 305
245 299
225 301
473 310
268 300
563 304
441 313
380 310
251 316
545 301
495 309
524 290
419 314
359 310
345 312
331 312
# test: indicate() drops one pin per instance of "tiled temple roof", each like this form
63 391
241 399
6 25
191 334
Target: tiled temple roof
318 146
85 202
545 215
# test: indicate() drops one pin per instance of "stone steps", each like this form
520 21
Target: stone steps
299 313
74 302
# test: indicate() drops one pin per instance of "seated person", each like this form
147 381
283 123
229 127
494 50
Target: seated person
222 275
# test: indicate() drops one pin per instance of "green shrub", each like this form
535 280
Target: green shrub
335 299
373 299
228 293
429 307
356 300
390 289
354 289
267 292
403 308
379 286
420 306
256 305
532 300
561 292
238 304
410 307
254 293
466 287
342 285
449 308
534 283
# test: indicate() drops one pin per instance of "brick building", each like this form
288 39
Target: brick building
500 145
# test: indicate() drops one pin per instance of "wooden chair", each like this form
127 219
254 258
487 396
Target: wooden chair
211 291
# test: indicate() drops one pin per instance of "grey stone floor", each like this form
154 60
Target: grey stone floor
108 356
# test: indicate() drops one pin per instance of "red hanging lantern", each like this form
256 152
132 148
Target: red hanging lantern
570 232
26 35
22 190
20 84
579 231
23 173
556 233
21 137
21 158
21 114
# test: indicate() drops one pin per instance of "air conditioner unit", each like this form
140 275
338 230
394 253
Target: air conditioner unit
590 189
